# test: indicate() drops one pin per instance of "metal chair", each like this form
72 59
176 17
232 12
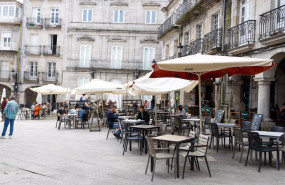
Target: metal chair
239 141
215 133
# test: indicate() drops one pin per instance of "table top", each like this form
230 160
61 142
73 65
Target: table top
133 121
144 126
191 119
125 117
226 124
173 138
69 114
269 134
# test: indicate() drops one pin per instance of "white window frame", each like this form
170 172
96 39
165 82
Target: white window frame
147 66
88 11
6 12
119 20
85 61
51 71
214 21
36 18
54 16
150 16
33 71
117 64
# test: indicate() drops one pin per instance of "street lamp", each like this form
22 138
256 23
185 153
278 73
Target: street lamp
137 73
92 72
15 84
179 48
154 61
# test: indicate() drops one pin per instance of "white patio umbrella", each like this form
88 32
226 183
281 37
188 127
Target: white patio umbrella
67 96
3 94
51 89
199 67
39 98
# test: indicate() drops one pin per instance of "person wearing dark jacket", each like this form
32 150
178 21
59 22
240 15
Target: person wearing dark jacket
143 115
112 118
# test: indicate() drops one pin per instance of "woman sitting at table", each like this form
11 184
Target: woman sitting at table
37 110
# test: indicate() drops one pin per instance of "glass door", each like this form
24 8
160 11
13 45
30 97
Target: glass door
34 43
54 16
245 30
36 19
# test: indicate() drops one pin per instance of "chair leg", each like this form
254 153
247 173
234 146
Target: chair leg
234 151
264 158
247 157
184 166
241 154
211 142
260 161
197 163
147 164
218 141
153 170
208 166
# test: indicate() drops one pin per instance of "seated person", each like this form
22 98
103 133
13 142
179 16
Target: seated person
37 110
176 121
143 115
181 112
112 118
61 116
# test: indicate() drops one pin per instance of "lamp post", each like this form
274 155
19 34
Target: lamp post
179 49
136 73
153 61
15 84
92 72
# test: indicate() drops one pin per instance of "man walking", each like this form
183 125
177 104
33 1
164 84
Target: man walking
10 112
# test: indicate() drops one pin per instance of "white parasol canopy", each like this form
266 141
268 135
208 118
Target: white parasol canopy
97 86
3 94
51 89
157 86
39 98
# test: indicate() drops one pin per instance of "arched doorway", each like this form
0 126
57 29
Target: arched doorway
8 91
280 83
30 96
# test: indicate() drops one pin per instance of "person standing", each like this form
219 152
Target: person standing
10 112
3 105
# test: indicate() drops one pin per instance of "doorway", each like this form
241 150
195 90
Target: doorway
53 43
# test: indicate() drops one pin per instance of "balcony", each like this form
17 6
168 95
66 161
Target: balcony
33 49
51 23
31 77
49 77
34 23
51 50
212 41
241 38
167 26
189 10
10 20
272 26
4 76
84 65
193 48
8 46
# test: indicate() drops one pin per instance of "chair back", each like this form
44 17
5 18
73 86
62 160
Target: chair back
219 116
203 143
150 146
162 128
215 130
207 120
254 140
277 129
238 135
256 122
245 125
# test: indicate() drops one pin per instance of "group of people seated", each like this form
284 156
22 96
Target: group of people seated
45 106
112 119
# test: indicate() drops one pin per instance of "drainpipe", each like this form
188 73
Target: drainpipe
224 29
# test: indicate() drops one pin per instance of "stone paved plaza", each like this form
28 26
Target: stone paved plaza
40 154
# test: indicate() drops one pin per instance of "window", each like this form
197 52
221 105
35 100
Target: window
150 17
186 37
148 56
51 69
215 21
87 15
246 10
0 10
11 10
85 55
36 15
4 67
6 39
116 57
82 81
199 31
279 3
17 12
34 43
118 16
54 16
33 69
5 10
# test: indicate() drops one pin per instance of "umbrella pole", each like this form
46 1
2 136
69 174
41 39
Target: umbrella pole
200 103
155 115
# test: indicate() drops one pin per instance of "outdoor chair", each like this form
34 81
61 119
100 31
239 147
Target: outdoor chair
64 120
239 141
112 127
255 143
200 151
207 123
82 120
130 136
158 156
219 135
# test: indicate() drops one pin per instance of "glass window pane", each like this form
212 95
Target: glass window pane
84 15
89 15
121 16
5 10
153 17
116 16
147 17
11 11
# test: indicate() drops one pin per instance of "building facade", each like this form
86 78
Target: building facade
248 28
10 30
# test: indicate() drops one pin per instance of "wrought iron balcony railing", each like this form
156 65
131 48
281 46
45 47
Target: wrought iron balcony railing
8 46
242 34
53 23
272 22
33 49
185 7
193 48
31 76
167 25
51 50
212 40
50 76
34 23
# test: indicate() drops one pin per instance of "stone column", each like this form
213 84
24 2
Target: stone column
263 106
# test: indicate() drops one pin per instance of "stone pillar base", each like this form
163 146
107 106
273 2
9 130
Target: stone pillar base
266 125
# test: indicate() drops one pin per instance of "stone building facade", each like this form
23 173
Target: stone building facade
10 30
63 40
248 28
